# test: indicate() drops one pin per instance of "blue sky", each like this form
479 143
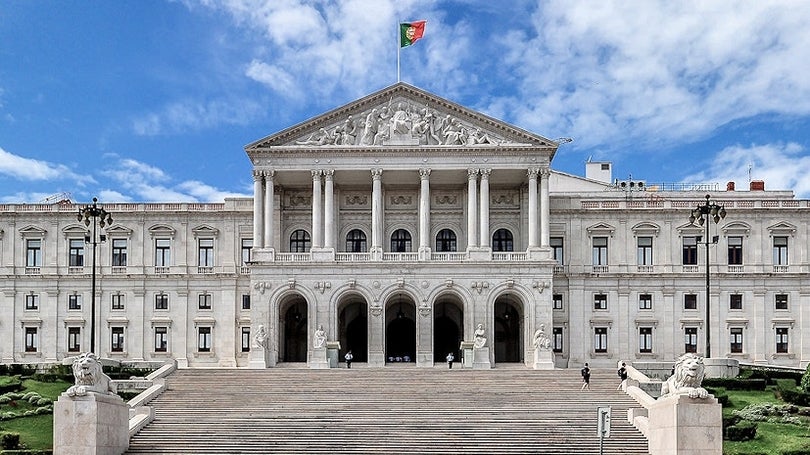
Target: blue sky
154 100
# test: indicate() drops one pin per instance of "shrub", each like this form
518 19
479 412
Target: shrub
10 441
736 384
802 451
743 431
13 384
730 421
806 379
769 412
794 396
720 395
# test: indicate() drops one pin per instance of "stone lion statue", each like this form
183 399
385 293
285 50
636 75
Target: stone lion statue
89 377
689 372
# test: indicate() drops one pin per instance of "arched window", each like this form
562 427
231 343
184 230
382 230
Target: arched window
401 241
300 241
356 241
446 241
502 240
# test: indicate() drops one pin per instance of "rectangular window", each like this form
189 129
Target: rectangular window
690 339
600 251
557 301
206 256
119 252
163 252
161 339
690 251
645 301
736 338
245 301
557 334
204 339
74 340
557 249
31 339
245 339
247 247
76 253
780 251
735 302
33 253
74 302
780 301
645 339
600 339
204 301
117 302
600 302
32 301
782 340
644 250
690 301
735 250
161 302
117 339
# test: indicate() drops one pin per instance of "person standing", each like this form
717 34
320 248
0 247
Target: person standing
348 358
450 358
622 372
586 377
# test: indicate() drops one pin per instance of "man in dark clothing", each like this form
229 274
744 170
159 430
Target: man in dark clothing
586 377
622 375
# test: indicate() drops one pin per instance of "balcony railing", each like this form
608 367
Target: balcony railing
600 269
736 269
75 270
781 269
448 257
293 257
119 270
509 256
645 269
33 270
205 270
400 257
352 257
690 269
162 270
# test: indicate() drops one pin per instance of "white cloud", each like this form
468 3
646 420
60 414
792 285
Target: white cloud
21 168
781 166
192 115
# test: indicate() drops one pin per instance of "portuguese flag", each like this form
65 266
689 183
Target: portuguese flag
410 32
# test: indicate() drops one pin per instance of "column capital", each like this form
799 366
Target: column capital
485 173
424 173
269 173
258 175
545 172
329 174
472 174
316 174
376 174
533 172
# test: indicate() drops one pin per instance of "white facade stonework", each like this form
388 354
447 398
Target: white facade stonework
399 223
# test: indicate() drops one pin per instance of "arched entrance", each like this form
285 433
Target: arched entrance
292 331
353 328
508 330
400 330
448 328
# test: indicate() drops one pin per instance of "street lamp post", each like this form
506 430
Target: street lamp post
701 214
97 216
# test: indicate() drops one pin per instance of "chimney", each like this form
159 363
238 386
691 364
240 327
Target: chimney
730 186
757 185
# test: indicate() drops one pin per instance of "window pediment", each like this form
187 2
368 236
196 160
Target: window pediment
118 231
162 230
74 230
600 229
736 228
32 231
644 228
782 228
205 230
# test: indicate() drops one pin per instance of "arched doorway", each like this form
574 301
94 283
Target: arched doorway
448 328
508 330
353 329
293 330
400 330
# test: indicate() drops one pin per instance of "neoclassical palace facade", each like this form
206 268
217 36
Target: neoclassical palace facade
398 224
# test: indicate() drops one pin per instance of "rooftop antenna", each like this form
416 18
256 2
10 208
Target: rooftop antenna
750 168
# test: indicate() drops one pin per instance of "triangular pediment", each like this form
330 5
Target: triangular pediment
401 115
782 227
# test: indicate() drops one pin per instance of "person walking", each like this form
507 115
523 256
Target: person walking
450 357
586 377
348 358
622 372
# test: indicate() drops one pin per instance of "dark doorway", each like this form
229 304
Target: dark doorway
508 330
293 331
448 330
353 331
400 332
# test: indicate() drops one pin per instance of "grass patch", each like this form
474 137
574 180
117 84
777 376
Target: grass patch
36 432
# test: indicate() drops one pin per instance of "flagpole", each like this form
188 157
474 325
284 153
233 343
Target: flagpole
399 46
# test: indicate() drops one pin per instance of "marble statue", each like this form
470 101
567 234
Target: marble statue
320 338
479 340
260 339
541 339
89 376
689 372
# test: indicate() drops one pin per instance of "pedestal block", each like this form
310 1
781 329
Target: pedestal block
318 359
543 359
333 353
92 424
679 425
481 359
466 348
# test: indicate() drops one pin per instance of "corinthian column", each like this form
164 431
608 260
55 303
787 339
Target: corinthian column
268 208
472 205
533 207
329 208
545 211
317 211
376 210
485 207
258 230
424 209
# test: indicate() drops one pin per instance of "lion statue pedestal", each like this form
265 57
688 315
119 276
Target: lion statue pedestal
686 419
89 418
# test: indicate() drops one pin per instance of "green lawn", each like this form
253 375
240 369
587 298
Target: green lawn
36 432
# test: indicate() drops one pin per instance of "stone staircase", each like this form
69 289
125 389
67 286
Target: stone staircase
398 409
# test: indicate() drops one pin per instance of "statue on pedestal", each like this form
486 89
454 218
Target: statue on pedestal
260 339
319 339
89 376
479 341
